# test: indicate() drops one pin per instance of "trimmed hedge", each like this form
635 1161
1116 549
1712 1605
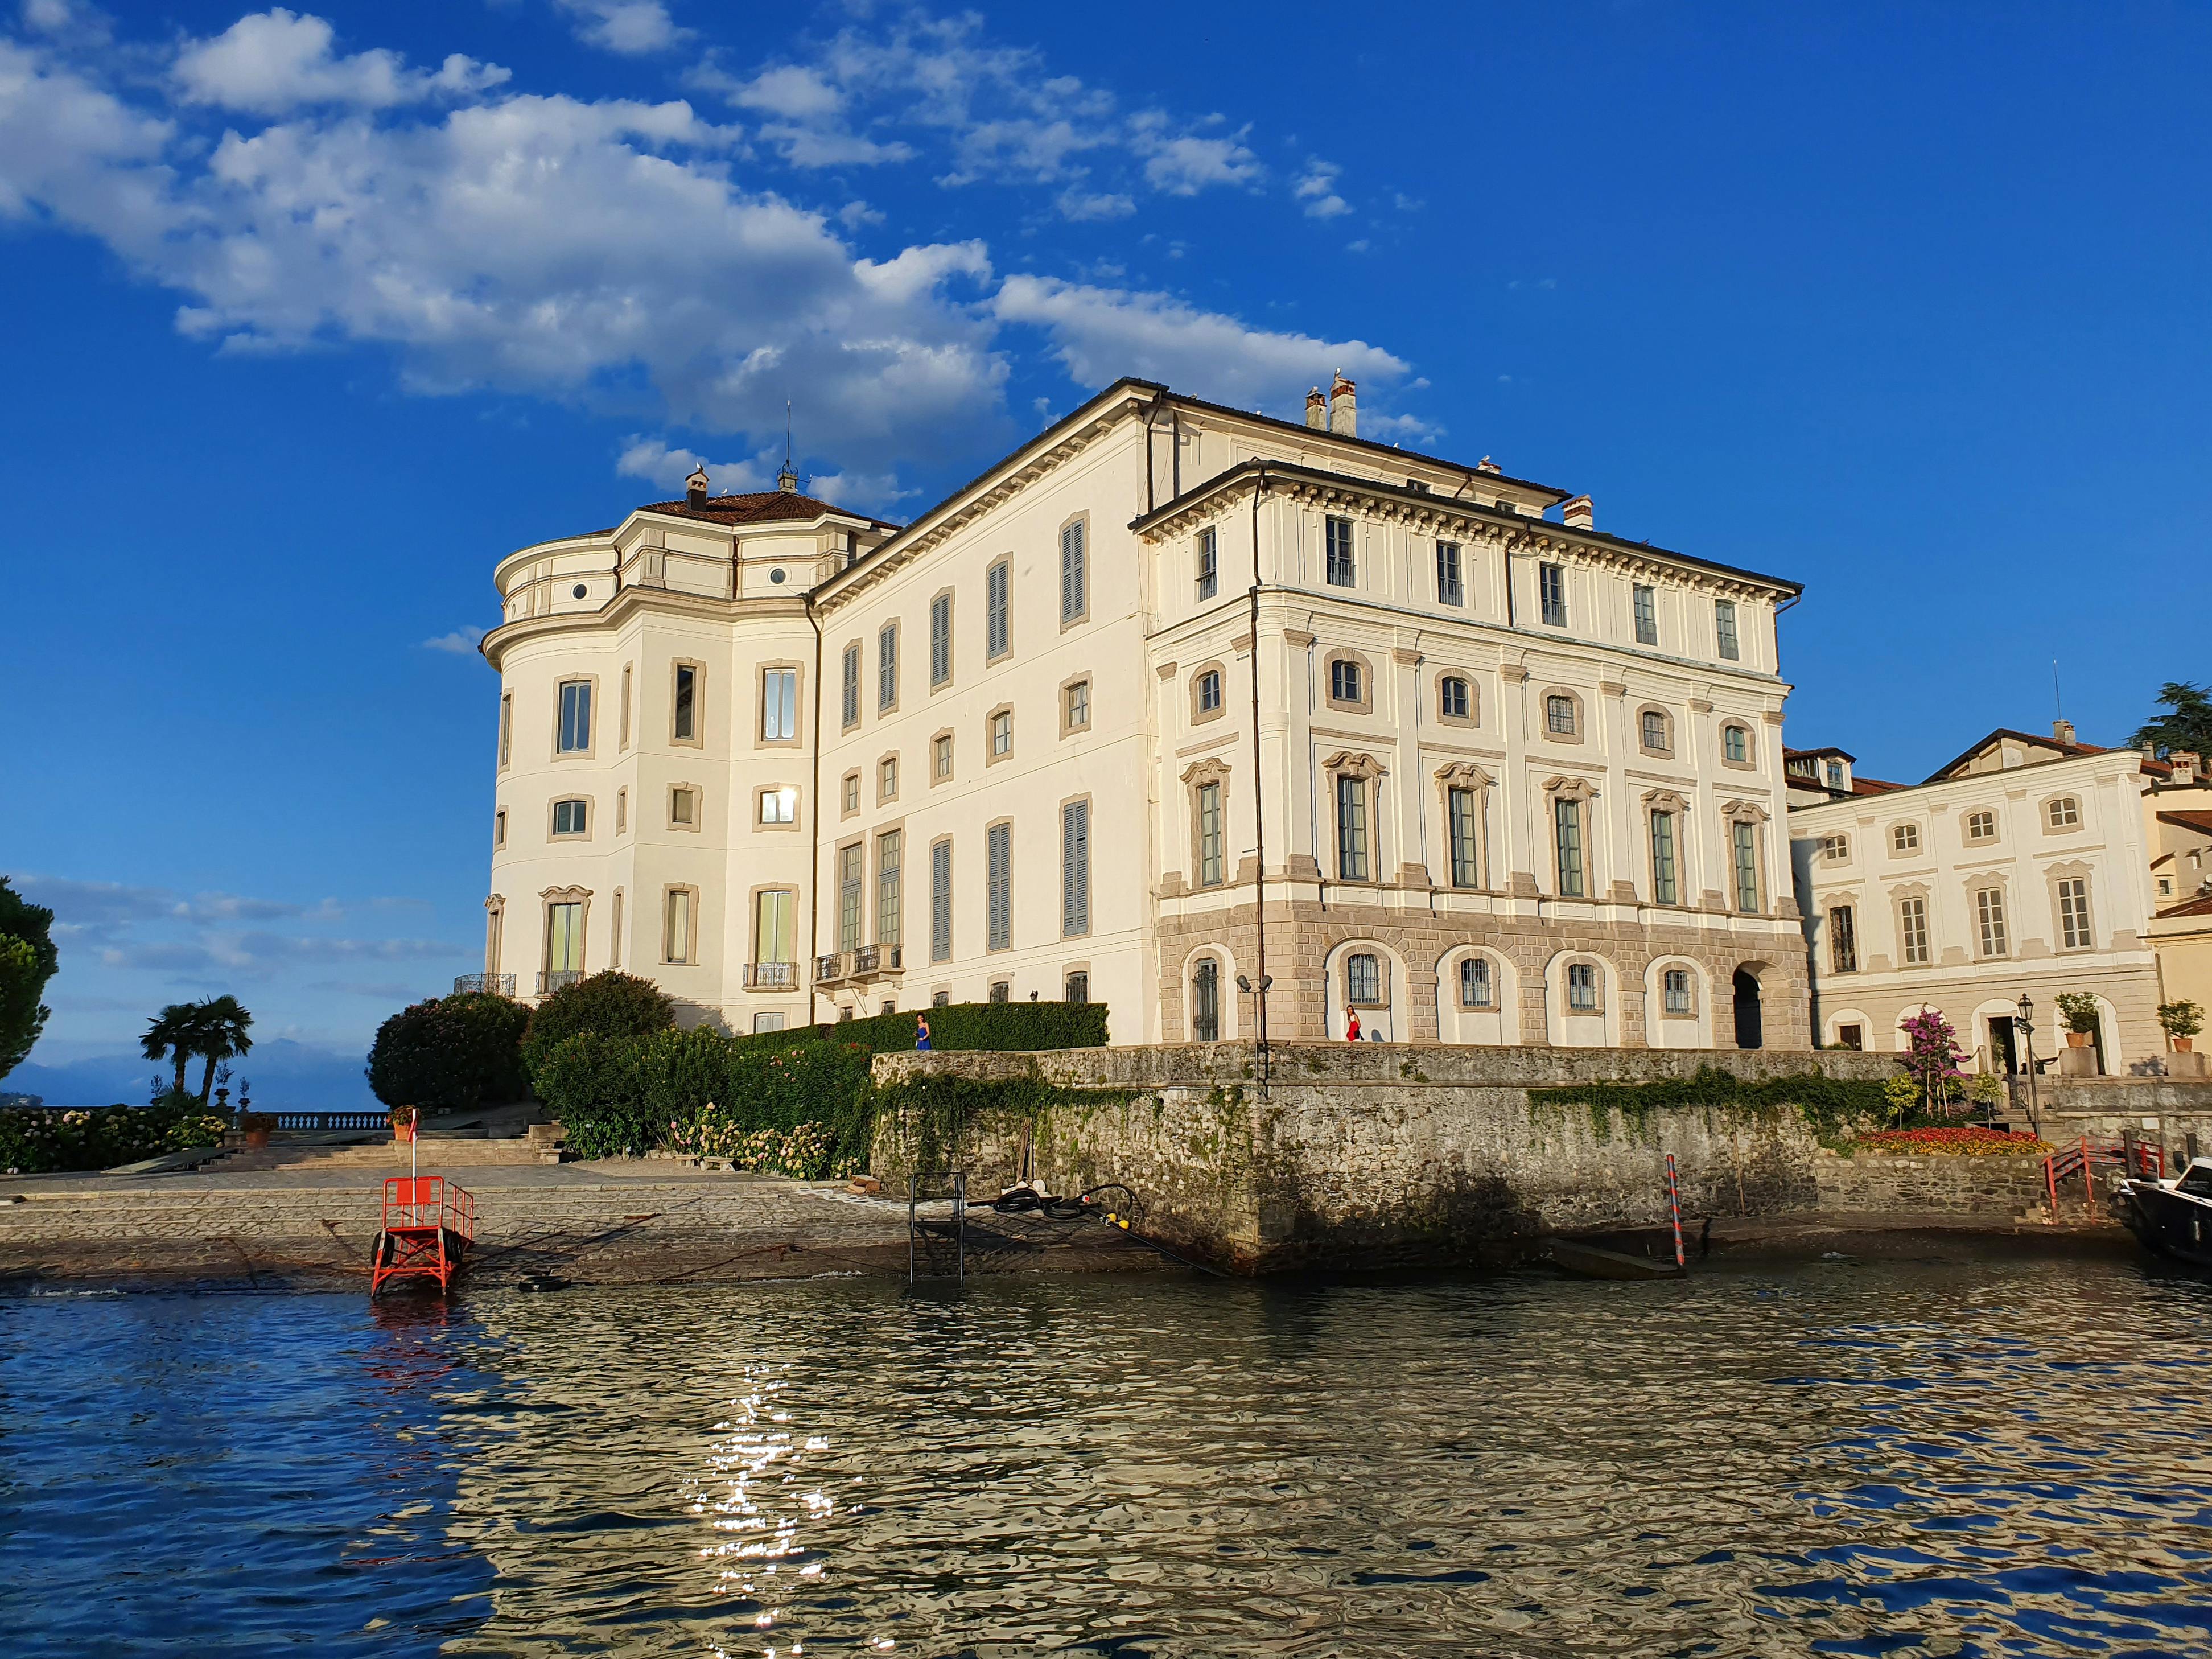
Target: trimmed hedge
42 1141
458 1051
622 1097
609 1004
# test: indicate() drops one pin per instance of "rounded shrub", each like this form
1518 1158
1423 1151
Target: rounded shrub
608 1005
453 1052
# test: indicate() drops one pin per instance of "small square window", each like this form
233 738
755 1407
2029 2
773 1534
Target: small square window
1559 715
2063 813
1981 826
1001 991
683 808
1904 838
1454 698
1344 681
1836 849
571 817
778 805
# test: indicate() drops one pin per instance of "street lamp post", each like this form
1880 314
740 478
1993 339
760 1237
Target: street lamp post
2024 1022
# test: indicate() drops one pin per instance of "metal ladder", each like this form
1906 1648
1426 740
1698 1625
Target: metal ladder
918 1187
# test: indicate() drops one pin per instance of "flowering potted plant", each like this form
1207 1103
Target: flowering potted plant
2183 1021
257 1127
403 1124
2078 1009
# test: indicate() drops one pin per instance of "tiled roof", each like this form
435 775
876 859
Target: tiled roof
1874 785
2196 907
2066 751
763 507
2200 822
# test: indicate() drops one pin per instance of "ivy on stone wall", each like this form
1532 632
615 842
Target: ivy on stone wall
1831 1107
941 1113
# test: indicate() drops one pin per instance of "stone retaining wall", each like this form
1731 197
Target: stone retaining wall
1872 1182
1366 1154
2167 1112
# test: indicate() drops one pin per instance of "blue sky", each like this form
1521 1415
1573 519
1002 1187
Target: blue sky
312 315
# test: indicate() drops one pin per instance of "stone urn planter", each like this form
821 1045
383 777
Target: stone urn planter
255 1126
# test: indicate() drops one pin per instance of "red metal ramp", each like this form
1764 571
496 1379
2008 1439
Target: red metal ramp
428 1224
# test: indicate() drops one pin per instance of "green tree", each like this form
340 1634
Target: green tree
608 1005
221 1031
2187 728
458 1051
172 1035
28 961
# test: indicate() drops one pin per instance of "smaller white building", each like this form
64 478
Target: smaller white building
2023 867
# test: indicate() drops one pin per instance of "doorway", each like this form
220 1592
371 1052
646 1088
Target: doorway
1750 1031
2004 1050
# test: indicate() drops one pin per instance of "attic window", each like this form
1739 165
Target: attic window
1416 483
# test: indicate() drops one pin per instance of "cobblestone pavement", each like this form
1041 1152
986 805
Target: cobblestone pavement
617 1221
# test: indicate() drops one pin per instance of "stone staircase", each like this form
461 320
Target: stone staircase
437 1154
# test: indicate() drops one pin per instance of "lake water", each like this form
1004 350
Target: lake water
1843 1458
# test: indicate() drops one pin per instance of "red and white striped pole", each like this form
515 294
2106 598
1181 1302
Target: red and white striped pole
1675 1212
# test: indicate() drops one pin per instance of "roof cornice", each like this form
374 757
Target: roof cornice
630 600
1514 533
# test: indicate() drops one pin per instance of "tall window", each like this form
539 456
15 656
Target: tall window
571 817
849 860
851 785
1655 731
676 932
499 828
940 638
775 926
575 716
852 699
1476 988
887 778
941 755
1206 1002
998 886
1647 614
1363 978
1351 829
1075 869
1210 861
684 728
998 621
507 728
1455 697
1724 628
1567 823
1344 681
940 901
1075 706
1464 823
1746 838
621 811
1551 590
1077 986
1209 563
1343 571
1912 931
2073 913
1075 582
564 938
889 908
1666 881
887 667
683 808
1560 716
1002 733
1842 940
1582 988
1735 745
1835 774
1449 589
1989 922
1209 692
779 703
1674 990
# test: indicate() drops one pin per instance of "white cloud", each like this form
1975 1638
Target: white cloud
652 459
274 61
1186 165
863 492
1397 428
635 28
1080 204
461 642
1317 188
1101 333
792 91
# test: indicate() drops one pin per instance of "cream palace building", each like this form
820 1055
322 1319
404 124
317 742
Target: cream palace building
1174 703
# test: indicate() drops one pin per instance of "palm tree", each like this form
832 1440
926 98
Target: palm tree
219 1032
173 1036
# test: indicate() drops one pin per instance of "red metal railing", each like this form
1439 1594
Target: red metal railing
428 1225
2131 1157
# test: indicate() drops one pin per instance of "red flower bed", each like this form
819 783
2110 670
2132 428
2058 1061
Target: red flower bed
1959 1140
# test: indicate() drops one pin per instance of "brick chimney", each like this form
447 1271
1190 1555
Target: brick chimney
2062 730
1316 409
1577 513
694 488
2185 765
1343 406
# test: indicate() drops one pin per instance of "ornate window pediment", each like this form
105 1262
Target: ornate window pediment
1743 811
1348 763
1566 789
1209 770
565 895
1664 800
1464 774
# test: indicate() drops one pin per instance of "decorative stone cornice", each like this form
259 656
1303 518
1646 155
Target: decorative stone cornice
1743 811
1664 800
1464 774
1613 687
1403 657
1565 787
1211 769
1346 764
1298 637
1512 673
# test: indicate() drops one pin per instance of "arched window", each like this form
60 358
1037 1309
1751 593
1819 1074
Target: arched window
1453 698
1362 979
1655 732
1477 989
1735 745
1344 680
1205 1001
1209 691
1559 715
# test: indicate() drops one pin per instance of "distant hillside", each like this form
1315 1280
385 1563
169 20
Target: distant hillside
285 1075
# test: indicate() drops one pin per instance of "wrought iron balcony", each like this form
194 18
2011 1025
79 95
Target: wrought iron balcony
554 980
866 961
771 975
498 985
829 967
